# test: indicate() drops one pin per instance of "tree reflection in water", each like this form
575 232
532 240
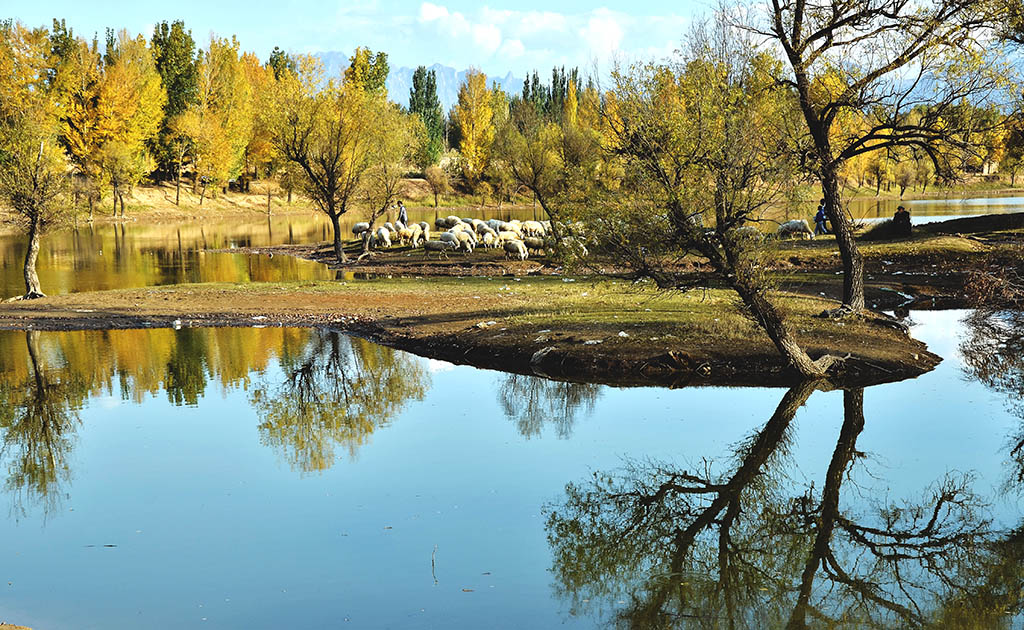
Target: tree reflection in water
734 546
38 417
337 391
532 401
993 353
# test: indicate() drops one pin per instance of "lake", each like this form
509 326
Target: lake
130 254
276 477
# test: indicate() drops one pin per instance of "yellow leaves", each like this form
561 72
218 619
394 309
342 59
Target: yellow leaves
474 116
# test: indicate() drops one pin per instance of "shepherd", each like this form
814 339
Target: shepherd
819 219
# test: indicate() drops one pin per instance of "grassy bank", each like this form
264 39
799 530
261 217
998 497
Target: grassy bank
596 330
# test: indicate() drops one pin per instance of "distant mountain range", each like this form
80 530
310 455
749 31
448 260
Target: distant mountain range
400 80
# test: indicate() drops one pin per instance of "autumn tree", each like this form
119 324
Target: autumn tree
881 60
325 132
130 108
473 115
368 71
219 123
438 181
393 142
699 145
33 167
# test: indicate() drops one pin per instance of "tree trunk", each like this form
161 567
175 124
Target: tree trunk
435 198
121 197
853 425
92 205
32 287
289 196
849 253
202 195
339 251
268 198
771 321
177 186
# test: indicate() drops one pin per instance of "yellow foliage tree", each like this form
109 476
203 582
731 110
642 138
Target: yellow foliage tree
474 116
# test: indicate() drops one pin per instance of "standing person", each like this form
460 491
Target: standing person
403 216
819 219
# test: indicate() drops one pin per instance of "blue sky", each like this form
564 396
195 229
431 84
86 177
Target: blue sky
497 38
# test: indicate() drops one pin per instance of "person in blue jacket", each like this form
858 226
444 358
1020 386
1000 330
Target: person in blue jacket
819 219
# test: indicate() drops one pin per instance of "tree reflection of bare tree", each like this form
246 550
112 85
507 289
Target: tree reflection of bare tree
532 401
337 391
993 353
658 547
38 417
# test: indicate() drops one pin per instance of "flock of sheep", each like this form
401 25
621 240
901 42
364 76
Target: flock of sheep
517 238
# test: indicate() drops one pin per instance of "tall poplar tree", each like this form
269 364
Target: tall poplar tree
423 101
174 53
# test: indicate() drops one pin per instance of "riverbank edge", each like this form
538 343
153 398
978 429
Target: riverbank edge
557 353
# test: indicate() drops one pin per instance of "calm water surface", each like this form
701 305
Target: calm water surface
136 255
269 478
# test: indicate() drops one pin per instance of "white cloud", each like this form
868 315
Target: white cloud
602 32
512 48
430 12
487 38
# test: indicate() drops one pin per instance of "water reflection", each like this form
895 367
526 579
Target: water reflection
337 390
38 417
740 545
532 402
993 353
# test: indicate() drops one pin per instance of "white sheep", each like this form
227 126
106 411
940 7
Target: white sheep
449 237
490 239
516 249
466 243
505 236
441 247
534 243
360 227
533 228
383 237
796 228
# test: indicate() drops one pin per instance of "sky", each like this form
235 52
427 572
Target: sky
516 37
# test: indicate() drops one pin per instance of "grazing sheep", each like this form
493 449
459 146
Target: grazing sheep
466 244
796 228
360 227
505 236
383 237
534 244
748 233
490 239
417 235
494 224
533 228
441 223
451 220
441 247
424 225
516 249
404 235
449 237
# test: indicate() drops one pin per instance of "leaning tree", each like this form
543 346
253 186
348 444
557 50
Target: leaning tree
880 75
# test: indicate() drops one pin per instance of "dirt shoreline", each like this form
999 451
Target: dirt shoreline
491 333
